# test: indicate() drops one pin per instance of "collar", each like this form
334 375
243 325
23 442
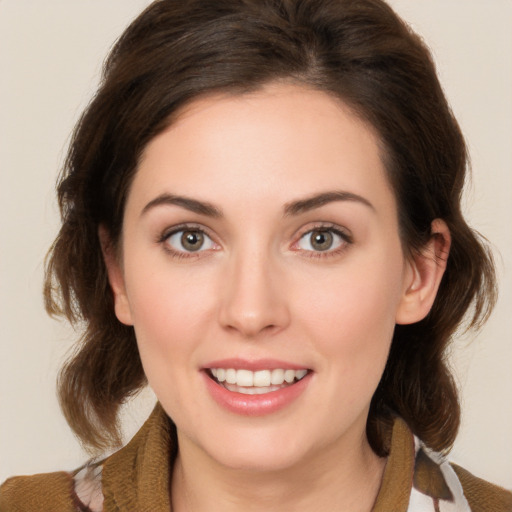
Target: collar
397 480
138 476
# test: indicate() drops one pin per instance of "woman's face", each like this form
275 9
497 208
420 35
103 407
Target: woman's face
260 243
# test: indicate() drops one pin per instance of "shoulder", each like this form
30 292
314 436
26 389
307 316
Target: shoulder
120 477
418 479
434 476
80 491
29 493
483 496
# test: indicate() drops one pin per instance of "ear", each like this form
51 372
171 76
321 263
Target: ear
423 274
115 277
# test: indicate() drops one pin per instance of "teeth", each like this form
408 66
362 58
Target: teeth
251 390
231 376
262 378
266 380
289 376
244 378
277 377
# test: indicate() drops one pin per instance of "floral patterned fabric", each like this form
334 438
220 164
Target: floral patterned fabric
416 479
137 477
435 485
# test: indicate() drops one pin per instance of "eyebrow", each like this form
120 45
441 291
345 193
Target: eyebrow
290 209
193 205
318 200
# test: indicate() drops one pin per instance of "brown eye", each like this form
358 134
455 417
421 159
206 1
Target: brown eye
192 240
323 240
189 240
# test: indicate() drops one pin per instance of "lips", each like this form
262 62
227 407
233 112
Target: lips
258 378
253 389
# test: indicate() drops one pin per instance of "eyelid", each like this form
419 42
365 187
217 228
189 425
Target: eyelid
325 226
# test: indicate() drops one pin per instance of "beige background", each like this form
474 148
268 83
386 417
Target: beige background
50 57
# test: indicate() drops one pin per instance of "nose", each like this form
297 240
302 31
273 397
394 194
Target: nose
253 296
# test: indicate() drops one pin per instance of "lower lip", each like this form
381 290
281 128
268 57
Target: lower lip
255 405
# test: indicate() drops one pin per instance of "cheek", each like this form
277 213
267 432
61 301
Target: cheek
169 308
351 314
170 312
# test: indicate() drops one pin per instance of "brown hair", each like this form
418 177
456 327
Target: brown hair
356 50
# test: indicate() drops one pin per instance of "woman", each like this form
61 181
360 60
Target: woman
261 218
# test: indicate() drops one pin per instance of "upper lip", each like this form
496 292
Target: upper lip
254 365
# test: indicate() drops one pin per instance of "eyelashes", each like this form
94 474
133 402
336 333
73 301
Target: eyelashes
323 241
192 241
187 241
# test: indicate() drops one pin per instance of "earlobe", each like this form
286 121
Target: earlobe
423 275
115 277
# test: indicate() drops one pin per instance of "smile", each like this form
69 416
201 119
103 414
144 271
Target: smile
256 382
255 388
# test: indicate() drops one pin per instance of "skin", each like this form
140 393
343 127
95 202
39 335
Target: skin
258 289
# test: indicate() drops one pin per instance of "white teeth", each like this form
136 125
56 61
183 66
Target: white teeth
262 378
244 378
231 376
299 374
257 382
251 390
289 376
277 376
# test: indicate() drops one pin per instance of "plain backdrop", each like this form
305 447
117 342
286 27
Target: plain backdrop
50 59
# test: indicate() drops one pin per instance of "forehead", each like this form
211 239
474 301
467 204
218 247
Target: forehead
279 141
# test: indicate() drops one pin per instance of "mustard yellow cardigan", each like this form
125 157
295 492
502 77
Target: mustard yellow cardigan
137 477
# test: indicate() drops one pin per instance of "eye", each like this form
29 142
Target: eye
322 240
189 240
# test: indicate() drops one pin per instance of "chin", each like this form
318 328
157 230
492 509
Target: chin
256 460
257 450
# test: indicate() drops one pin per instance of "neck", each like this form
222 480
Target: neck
346 476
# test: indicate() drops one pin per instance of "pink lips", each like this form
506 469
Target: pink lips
254 405
260 364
